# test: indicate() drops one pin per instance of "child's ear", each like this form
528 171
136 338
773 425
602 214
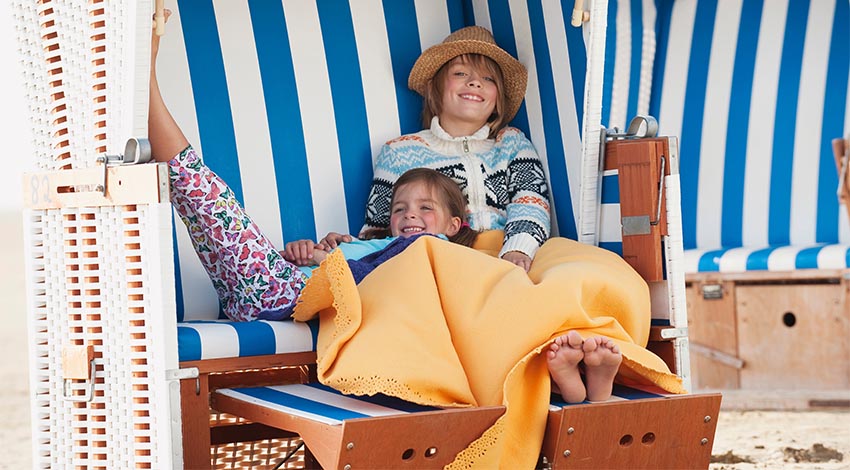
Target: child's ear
454 227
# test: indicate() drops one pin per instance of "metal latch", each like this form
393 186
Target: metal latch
712 291
135 151
78 364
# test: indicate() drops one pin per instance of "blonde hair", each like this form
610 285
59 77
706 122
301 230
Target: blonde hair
448 195
483 65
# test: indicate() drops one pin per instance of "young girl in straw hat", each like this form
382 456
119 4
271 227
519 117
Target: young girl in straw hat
471 88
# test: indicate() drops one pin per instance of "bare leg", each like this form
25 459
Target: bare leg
564 356
166 138
602 359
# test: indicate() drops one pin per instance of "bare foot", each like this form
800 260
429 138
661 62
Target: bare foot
602 359
564 355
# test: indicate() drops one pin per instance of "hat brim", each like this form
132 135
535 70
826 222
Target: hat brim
514 73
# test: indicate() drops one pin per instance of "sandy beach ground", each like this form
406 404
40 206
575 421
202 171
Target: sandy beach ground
799 440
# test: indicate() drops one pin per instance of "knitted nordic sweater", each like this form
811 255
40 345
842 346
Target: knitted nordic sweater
502 179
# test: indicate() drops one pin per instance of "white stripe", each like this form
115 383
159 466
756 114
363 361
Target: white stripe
482 14
648 50
200 302
622 66
783 259
760 128
610 229
715 123
376 70
291 336
275 407
217 340
337 400
317 113
735 260
676 67
433 20
250 124
809 125
843 221
556 37
833 257
691 260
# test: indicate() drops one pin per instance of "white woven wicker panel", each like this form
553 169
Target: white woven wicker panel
86 69
101 276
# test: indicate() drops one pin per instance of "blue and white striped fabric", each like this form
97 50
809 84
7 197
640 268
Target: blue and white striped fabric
289 101
756 90
619 393
321 403
207 339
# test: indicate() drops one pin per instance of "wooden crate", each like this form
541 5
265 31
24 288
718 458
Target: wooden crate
769 331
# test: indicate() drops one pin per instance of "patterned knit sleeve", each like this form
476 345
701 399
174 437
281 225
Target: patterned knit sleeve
528 224
378 202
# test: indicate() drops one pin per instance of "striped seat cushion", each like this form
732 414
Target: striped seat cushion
321 403
774 258
201 339
619 393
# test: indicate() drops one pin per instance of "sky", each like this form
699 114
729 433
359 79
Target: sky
14 120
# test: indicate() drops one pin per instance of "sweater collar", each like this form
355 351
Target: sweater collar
480 134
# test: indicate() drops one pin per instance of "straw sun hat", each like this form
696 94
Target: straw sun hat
471 40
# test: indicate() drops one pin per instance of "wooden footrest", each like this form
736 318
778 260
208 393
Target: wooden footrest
635 429
344 431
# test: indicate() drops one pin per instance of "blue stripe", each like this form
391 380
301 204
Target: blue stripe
578 65
209 87
380 400
835 99
188 344
457 15
284 115
314 331
403 34
503 32
662 35
709 262
611 189
620 391
551 124
779 218
637 56
610 59
807 258
303 404
739 120
178 280
757 260
692 117
349 106
614 247
256 338
468 13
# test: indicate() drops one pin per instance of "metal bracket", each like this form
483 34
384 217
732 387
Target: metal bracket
137 150
86 397
181 374
641 126
673 333
712 291
660 192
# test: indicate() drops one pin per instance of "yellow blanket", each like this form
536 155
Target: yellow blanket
442 324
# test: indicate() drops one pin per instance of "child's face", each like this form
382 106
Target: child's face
469 94
416 209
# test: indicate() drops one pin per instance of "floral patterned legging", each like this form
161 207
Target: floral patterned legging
252 279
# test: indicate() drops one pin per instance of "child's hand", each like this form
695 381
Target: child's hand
518 258
305 252
333 239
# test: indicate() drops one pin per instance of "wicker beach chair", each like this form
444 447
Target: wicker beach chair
116 290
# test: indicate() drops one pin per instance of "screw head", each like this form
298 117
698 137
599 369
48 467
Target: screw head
567 453
350 446
704 441
571 430
707 419
347 467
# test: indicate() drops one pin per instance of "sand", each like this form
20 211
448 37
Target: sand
753 439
